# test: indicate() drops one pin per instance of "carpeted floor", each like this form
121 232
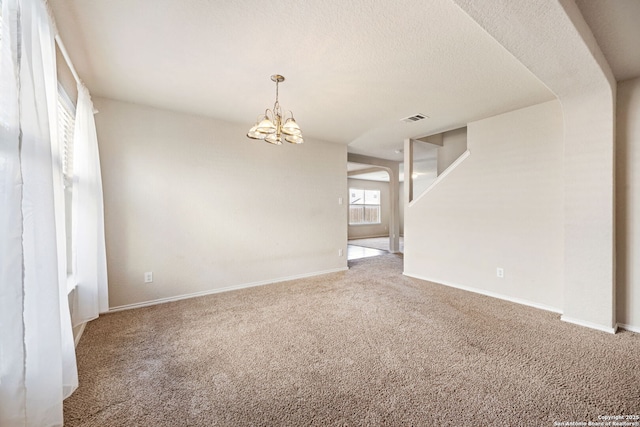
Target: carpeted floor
363 347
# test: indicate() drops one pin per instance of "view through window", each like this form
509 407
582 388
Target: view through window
364 206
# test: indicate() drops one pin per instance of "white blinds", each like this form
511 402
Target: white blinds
66 126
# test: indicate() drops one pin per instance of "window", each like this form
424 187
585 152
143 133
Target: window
364 206
66 126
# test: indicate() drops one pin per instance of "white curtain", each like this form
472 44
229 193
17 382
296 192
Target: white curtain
90 269
37 361
12 378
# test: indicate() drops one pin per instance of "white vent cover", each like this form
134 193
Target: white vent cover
414 118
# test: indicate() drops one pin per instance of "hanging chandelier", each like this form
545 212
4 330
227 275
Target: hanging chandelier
272 125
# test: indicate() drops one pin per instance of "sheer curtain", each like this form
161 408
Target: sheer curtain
12 378
37 359
90 269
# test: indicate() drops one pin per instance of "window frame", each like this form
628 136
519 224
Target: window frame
364 205
66 144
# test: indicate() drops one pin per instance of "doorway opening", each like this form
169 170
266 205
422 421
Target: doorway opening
369 211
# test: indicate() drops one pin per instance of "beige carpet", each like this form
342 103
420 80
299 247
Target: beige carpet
363 347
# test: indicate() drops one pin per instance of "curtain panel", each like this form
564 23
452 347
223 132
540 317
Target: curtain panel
90 267
12 378
37 355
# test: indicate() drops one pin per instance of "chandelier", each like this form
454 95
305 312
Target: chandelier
272 124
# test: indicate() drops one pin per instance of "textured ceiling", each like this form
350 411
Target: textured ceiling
616 27
353 69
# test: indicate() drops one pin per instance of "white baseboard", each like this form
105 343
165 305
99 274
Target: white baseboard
219 290
76 339
629 328
488 293
610 330
586 324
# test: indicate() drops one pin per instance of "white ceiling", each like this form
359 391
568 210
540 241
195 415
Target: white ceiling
353 69
616 27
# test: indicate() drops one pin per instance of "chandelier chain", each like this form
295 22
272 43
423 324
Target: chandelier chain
276 106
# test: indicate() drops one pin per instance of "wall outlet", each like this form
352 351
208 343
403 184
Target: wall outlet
339 252
500 272
148 277
339 200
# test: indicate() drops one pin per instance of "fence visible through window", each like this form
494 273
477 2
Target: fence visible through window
364 206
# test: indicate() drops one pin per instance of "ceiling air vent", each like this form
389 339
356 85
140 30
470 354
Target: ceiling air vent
414 118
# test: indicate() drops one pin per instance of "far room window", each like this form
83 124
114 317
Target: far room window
364 206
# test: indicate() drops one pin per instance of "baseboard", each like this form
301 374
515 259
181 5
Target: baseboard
219 290
629 328
488 293
586 324
76 339
530 304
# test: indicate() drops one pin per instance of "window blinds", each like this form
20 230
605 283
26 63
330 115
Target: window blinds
66 125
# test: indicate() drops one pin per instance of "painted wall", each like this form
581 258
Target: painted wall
454 143
204 208
628 204
581 78
402 203
501 207
374 230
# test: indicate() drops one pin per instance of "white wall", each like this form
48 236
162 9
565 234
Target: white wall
574 68
372 230
454 144
424 167
628 204
402 204
501 207
204 208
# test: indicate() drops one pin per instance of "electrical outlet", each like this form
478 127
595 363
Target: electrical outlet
339 252
148 277
500 272
339 200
